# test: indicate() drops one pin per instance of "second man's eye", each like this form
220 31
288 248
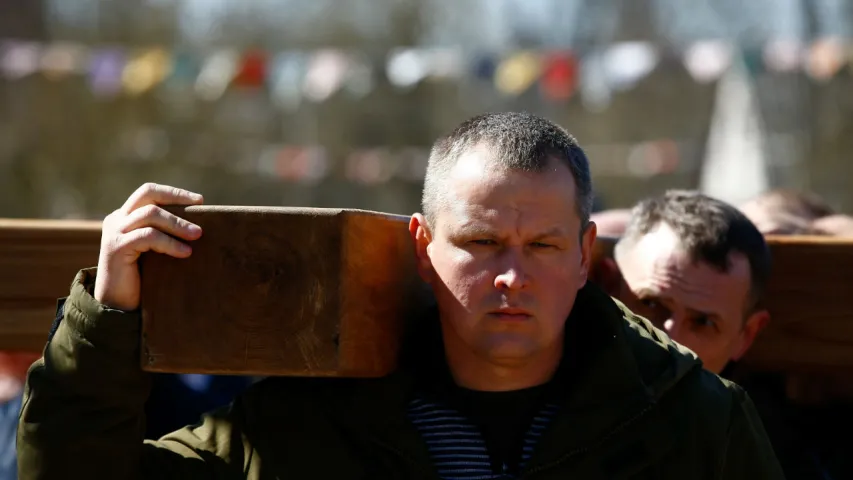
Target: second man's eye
654 310
650 303
703 321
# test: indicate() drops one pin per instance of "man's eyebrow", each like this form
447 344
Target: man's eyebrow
553 232
646 293
470 229
474 229
698 313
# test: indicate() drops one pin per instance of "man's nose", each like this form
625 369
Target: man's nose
512 275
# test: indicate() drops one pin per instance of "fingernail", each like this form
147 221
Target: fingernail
193 228
185 249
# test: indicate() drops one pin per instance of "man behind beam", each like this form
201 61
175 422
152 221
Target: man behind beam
697 268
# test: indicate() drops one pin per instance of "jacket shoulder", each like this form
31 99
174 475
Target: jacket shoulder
656 353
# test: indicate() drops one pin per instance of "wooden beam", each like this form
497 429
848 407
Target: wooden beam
810 299
810 295
287 291
38 261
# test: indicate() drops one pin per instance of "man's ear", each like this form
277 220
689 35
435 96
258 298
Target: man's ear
587 245
421 238
754 324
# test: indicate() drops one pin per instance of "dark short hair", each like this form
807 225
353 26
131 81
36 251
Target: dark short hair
709 230
519 141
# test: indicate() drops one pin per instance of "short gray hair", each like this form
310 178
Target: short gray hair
519 141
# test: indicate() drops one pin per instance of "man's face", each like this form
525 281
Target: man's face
505 259
698 305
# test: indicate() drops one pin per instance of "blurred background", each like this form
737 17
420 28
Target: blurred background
336 102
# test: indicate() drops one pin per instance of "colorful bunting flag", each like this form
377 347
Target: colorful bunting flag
406 67
596 94
146 70
518 72
286 77
19 59
627 63
185 69
327 70
825 59
293 76
252 72
444 63
559 76
216 74
63 58
783 55
106 68
484 67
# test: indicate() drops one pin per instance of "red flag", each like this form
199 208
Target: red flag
253 70
559 76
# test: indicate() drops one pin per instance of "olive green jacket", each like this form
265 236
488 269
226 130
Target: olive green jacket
640 406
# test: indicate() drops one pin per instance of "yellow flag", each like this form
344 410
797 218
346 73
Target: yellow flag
518 73
145 70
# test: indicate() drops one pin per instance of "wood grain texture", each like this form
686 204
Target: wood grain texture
38 261
317 292
322 291
381 291
810 299
261 292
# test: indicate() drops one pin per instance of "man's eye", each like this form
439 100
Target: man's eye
654 310
483 242
703 321
541 245
648 303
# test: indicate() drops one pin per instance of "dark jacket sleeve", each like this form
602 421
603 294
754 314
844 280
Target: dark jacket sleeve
748 454
82 414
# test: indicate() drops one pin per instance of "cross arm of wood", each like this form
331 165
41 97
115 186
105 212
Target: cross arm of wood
322 292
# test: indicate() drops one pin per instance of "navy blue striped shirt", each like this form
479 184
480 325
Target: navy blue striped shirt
457 446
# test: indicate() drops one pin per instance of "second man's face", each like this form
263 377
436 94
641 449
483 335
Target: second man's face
697 304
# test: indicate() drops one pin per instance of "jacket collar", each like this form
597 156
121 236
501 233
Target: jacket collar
607 387
614 387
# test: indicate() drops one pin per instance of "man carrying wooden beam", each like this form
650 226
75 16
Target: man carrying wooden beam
523 371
